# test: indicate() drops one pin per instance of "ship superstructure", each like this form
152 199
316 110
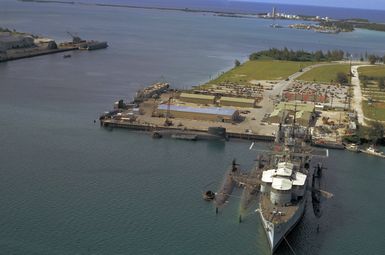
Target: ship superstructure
280 179
282 200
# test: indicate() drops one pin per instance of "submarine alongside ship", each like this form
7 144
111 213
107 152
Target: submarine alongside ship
279 182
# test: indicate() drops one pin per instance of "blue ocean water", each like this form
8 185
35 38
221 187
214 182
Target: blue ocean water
70 187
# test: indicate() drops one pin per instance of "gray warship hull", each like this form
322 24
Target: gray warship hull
275 233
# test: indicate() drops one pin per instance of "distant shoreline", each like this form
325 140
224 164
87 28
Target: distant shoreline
143 7
335 25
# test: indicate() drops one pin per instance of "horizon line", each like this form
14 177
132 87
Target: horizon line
310 5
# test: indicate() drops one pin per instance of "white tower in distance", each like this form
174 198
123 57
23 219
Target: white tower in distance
273 13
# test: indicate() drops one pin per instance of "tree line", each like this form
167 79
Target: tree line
299 55
316 56
374 59
344 26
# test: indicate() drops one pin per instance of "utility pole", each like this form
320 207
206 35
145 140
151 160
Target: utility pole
350 82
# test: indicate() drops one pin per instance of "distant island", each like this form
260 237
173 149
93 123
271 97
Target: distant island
325 24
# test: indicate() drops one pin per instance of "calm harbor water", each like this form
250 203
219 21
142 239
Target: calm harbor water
69 187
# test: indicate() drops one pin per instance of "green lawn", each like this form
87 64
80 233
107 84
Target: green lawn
372 90
372 71
260 70
374 111
325 73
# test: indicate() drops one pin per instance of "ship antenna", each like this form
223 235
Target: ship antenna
295 118
281 123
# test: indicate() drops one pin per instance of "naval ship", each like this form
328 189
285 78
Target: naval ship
283 182
283 185
279 182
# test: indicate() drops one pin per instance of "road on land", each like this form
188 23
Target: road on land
357 99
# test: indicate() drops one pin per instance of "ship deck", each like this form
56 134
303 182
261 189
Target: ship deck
267 209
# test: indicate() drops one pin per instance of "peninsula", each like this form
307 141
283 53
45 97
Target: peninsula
251 100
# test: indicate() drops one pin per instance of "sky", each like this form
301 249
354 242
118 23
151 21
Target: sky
361 4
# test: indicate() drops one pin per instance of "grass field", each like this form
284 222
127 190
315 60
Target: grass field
260 70
325 73
372 90
372 71
374 111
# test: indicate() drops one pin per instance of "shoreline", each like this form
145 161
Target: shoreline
355 23
142 7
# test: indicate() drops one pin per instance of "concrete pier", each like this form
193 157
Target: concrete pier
111 123
34 53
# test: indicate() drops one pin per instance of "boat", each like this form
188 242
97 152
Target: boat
156 135
373 151
95 45
92 45
283 182
352 147
279 183
283 188
209 195
67 56
276 26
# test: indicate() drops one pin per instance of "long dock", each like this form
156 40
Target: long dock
111 123
35 53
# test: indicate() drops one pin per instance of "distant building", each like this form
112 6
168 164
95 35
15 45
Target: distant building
9 41
305 97
237 102
197 98
273 12
42 40
196 113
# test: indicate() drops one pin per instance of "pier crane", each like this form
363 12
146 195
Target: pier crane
168 122
75 38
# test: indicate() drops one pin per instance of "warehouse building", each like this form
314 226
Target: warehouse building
304 113
197 98
237 102
207 113
278 116
295 106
